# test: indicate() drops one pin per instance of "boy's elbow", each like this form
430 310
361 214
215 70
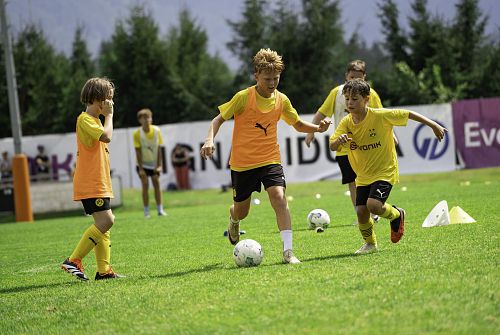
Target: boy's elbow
105 138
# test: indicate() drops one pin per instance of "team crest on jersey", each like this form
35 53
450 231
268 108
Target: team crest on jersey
372 132
353 145
99 202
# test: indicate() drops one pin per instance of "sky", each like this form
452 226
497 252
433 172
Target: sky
59 18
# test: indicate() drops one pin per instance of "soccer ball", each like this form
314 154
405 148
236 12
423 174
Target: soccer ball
318 218
248 253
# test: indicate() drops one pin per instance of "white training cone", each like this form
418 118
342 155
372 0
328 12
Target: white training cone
458 215
439 216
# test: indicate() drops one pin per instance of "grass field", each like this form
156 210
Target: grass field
181 278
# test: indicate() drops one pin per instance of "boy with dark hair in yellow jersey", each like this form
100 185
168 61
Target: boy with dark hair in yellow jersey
92 178
368 135
147 142
334 107
255 155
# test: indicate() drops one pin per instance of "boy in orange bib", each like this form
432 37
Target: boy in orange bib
255 154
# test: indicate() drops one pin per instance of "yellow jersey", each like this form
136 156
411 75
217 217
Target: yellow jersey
334 107
371 151
148 143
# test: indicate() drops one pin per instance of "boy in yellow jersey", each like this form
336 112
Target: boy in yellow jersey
92 178
255 155
335 106
147 142
368 135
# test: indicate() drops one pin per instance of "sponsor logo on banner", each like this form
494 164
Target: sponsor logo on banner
427 145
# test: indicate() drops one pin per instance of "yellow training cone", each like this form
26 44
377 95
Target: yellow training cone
458 215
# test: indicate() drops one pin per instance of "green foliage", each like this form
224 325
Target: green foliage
81 68
437 61
310 42
40 79
181 278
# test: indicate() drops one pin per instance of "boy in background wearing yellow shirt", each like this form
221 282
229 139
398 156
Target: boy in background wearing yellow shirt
147 142
255 155
92 178
367 133
334 107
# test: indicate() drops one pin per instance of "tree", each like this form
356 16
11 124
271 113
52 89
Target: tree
395 39
135 60
40 78
202 80
81 68
250 35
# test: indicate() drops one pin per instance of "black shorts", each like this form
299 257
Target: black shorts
93 205
149 172
246 182
379 190
348 174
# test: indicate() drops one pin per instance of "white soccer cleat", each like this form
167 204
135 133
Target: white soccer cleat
289 258
367 248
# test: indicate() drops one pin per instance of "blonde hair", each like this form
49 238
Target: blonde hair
268 60
96 89
144 112
356 65
355 86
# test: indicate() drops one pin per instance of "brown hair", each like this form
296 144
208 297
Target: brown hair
96 89
355 86
144 112
356 65
268 60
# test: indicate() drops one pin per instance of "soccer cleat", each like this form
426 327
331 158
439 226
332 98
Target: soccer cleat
289 258
162 213
233 230
376 218
398 226
366 248
75 268
109 275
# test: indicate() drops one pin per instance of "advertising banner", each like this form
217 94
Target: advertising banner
419 152
477 131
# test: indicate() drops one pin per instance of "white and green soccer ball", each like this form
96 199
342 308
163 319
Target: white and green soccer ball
248 253
318 218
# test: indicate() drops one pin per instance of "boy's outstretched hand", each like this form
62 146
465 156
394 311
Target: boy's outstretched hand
323 126
207 150
439 131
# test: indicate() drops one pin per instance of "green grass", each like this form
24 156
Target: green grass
181 278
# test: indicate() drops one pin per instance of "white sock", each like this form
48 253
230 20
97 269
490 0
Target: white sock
286 237
160 208
146 210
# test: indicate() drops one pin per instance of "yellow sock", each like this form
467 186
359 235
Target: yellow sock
103 253
89 240
368 232
390 213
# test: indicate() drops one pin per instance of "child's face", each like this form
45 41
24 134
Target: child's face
145 120
267 82
355 103
354 75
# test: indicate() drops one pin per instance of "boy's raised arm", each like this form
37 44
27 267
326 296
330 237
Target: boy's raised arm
438 130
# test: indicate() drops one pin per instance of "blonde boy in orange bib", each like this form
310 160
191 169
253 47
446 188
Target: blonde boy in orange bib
255 155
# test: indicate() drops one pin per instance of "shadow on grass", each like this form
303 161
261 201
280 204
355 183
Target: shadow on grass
208 268
35 287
